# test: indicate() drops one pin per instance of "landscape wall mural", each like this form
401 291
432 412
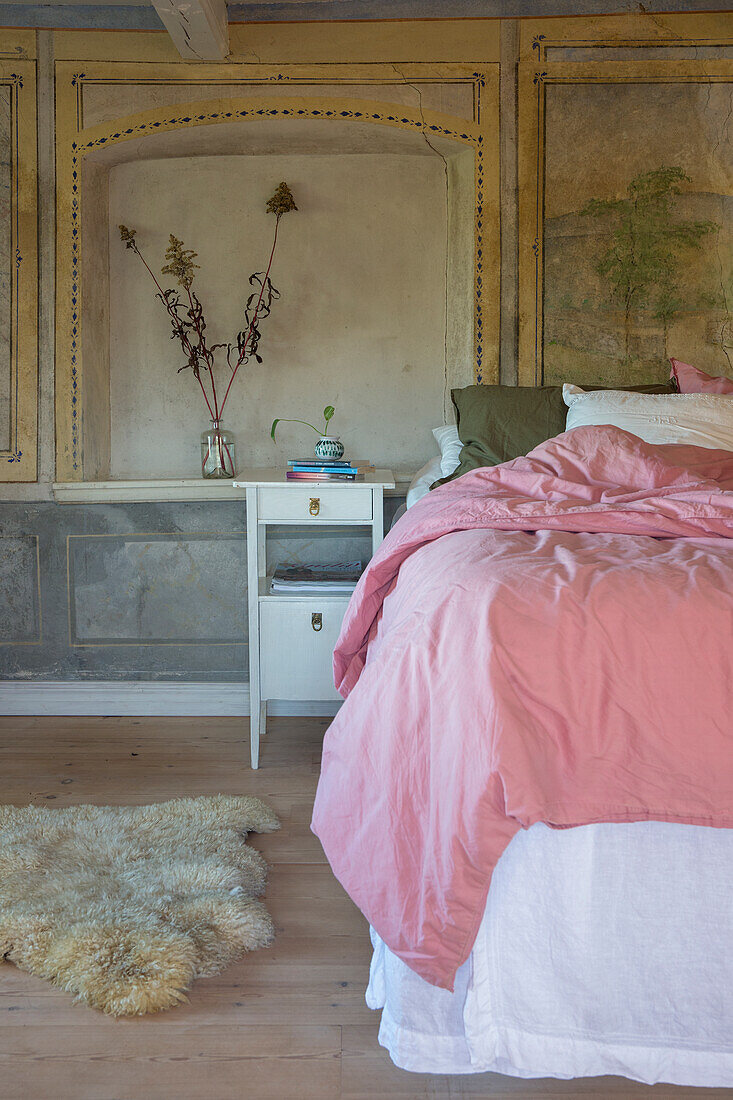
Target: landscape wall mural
634 239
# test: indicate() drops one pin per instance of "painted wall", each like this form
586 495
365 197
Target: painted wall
626 181
361 269
608 317
394 302
5 269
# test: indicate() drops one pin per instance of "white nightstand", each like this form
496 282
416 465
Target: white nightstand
291 638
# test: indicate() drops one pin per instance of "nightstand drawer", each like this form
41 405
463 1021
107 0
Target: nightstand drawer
291 502
297 639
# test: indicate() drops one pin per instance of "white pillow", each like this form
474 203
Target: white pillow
450 445
422 480
700 419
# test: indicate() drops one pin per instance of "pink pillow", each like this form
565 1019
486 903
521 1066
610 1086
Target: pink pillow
692 380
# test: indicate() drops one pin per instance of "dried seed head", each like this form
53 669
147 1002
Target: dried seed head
128 236
281 202
180 262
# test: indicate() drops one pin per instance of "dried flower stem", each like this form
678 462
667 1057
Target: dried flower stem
207 354
243 354
189 325
187 347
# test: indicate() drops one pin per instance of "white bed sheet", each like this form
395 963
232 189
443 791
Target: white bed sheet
605 949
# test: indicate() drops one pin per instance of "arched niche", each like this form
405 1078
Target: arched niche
411 190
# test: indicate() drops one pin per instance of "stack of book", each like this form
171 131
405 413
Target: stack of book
321 579
326 469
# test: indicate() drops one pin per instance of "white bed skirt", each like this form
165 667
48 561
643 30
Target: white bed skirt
606 949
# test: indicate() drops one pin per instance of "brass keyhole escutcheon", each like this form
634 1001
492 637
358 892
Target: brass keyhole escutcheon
315 506
317 620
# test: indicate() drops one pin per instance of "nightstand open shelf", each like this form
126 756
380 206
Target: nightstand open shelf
292 635
266 595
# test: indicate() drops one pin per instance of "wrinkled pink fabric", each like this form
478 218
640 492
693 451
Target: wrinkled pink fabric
548 640
693 380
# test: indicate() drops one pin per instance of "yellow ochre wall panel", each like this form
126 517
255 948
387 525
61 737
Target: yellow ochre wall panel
18 261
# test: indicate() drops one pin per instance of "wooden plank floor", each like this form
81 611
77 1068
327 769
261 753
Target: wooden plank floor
287 1023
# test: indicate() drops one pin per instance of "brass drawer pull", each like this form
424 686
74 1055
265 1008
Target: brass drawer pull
315 506
317 620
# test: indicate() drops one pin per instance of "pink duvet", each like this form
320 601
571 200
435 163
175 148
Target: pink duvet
548 640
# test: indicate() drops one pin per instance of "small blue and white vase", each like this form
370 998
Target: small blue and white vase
327 447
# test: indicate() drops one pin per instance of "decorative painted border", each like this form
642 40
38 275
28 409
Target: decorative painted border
531 349
638 29
18 462
15 82
359 76
542 43
70 457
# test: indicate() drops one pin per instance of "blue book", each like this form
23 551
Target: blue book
330 463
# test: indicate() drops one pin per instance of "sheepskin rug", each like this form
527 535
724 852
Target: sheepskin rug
124 907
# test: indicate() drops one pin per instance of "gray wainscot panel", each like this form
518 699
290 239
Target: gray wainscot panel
159 589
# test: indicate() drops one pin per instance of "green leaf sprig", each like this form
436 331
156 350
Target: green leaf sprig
327 416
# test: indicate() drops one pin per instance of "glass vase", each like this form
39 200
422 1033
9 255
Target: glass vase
217 451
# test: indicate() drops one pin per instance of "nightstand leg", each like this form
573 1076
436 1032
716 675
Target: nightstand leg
255 719
263 718
254 564
377 517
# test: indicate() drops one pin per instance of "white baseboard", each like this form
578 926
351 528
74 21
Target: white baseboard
127 698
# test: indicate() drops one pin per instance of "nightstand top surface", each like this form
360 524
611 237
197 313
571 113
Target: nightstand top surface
276 476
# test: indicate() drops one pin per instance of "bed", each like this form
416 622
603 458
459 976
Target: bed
601 948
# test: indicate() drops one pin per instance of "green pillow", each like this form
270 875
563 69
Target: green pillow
498 423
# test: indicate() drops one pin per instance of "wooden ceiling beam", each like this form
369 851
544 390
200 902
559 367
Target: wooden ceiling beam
199 28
